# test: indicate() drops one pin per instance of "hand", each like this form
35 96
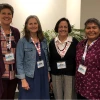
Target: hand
51 87
25 84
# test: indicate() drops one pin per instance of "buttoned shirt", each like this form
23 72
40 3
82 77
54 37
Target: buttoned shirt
88 85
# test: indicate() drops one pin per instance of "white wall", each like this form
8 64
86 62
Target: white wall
73 8
48 11
89 9
78 11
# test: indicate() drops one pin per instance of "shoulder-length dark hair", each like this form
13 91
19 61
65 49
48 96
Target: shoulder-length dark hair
26 32
7 6
60 20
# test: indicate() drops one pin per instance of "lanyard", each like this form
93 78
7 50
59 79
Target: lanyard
9 41
37 47
86 49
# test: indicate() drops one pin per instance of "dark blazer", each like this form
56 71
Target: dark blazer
16 34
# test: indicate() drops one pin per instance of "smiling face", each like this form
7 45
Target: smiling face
63 28
92 31
6 16
32 25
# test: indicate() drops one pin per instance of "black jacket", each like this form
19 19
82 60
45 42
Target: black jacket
69 58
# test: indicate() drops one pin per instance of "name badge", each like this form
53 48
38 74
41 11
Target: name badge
40 64
61 65
9 57
82 69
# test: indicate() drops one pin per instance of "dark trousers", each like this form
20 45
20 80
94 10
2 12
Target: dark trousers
79 97
9 87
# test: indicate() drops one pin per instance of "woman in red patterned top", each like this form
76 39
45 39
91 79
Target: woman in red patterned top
9 37
88 62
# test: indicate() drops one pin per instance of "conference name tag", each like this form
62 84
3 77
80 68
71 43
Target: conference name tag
9 57
61 65
40 64
82 69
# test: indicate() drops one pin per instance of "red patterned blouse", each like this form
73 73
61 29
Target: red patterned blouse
88 85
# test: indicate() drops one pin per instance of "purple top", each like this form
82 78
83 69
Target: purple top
2 66
88 85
